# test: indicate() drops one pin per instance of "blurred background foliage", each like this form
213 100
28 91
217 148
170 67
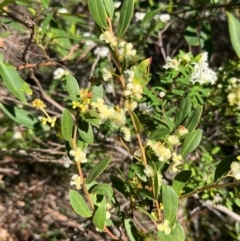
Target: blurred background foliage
38 37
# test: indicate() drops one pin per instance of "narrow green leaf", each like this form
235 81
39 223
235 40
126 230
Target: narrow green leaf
234 31
98 12
12 80
183 111
20 116
72 87
141 73
142 192
119 184
87 133
126 13
170 202
149 15
130 228
5 3
67 125
191 142
136 121
99 217
224 166
180 180
109 5
46 22
157 134
156 184
193 119
97 170
103 189
78 204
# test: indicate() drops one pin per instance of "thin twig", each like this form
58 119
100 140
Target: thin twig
44 95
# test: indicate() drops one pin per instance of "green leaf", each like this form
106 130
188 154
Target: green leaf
145 193
99 217
46 22
156 183
178 232
191 35
191 142
97 170
157 134
78 204
126 13
180 180
193 119
130 228
109 5
20 116
98 12
5 3
119 184
141 73
86 133
72 87
97 92
149 15
183 112
224 166
170 202
234 31
12 80
25 88
103 189
67 125
164 237
45 3
136 122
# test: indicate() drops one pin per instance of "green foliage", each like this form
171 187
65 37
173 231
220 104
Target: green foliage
162 115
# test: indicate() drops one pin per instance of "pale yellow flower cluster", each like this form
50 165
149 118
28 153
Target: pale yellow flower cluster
235 169
164 227
109 38
133 92
234 97
107 74
39 104
84 100
126 50
76 180
79 155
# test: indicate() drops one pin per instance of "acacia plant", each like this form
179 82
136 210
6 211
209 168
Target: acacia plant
165 132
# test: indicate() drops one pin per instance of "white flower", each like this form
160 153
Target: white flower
235 169
130 105
202 74
129 74
88 42
126 132
101 51
58 73
171 63
160 150
148 171
162 94
62 10
77 181
109 88
79 155
117 4
17 135
164 17
139 16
